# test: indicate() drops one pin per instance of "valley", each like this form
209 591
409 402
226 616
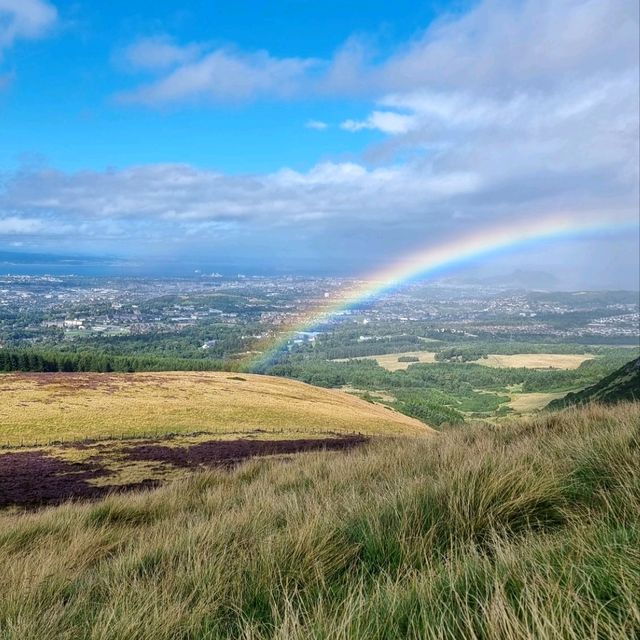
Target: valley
442 353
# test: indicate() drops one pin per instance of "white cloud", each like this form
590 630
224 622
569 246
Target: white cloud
498 48
507 109
24 19
334 213
512 110
159 52
223 75
174 193
386 121
534 97
318 125
538 99
19 225
502 47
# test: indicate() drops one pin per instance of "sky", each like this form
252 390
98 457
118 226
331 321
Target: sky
290 136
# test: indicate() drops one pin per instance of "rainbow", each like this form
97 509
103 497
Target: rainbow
437 259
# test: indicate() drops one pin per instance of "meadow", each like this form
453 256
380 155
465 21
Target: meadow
41 408
475 380
394 362
535 360
524 403
530 529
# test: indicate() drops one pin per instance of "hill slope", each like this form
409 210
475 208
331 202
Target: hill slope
621 385
44 407
526 530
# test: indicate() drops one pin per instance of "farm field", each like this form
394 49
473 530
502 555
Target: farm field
530 402
390 360
41 408
535 360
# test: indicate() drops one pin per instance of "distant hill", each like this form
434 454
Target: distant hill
519 279
623 384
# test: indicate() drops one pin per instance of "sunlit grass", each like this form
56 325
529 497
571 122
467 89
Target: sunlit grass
529 402
391 362
528 530
41 408
535 360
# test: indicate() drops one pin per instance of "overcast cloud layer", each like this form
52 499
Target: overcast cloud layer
510 111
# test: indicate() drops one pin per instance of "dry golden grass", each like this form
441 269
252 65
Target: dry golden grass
535 360
390 360
529 402
528 360
530 531
39 408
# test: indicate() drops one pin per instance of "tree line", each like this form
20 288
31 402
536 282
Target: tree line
59 361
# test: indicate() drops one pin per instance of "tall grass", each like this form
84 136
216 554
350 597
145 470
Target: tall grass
530 530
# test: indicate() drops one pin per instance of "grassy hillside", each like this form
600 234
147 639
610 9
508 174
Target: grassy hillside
45 407
622 385
517 531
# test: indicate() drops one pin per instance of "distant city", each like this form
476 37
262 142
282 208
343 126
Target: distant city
228 316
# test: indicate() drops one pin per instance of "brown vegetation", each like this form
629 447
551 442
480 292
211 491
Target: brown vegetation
517 531
40 408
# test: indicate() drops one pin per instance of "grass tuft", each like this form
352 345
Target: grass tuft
518 531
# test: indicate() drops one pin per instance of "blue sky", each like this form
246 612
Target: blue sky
63 104
316 137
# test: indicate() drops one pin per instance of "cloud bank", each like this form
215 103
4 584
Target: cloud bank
499 48
512 110
220 75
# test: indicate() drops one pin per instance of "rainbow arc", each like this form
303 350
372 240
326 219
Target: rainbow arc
437 260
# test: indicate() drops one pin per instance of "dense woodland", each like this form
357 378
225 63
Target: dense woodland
53 361
444 392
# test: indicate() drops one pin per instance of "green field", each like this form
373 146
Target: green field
453 384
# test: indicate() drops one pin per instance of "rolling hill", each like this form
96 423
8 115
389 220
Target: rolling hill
85 435
38 408
623 384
